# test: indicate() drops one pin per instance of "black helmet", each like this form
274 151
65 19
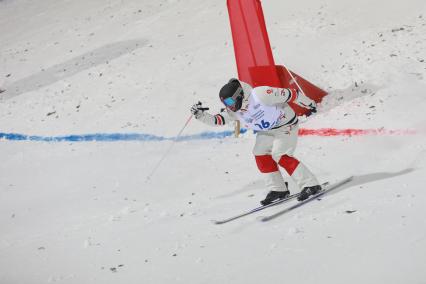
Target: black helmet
232 95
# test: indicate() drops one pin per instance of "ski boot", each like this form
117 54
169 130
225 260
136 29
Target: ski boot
308 191
274 196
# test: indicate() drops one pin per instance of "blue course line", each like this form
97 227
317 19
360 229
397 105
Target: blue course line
115 137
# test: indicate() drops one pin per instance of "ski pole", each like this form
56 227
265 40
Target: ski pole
168 150
173 143
294 80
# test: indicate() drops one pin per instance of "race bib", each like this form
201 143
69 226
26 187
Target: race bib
258 116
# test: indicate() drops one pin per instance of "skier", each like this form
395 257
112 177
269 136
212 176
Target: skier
265 110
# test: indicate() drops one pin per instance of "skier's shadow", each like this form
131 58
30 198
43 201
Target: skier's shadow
364 179
61 71
357 180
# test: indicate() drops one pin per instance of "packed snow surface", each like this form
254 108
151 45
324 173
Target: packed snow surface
85 212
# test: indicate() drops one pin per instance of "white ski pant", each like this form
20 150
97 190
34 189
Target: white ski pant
275 148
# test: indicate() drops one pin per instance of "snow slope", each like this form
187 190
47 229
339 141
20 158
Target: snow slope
85 212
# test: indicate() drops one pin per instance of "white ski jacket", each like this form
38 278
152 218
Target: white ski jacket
263 108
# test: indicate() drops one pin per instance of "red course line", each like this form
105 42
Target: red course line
328 132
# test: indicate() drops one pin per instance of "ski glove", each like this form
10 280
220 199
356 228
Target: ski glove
306 102
313 107
198 110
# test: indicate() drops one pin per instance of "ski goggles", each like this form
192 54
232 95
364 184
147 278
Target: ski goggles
231 101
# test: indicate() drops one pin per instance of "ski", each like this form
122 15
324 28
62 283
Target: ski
290 197
326 190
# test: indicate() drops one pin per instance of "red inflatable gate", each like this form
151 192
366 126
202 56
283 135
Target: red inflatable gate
253 54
